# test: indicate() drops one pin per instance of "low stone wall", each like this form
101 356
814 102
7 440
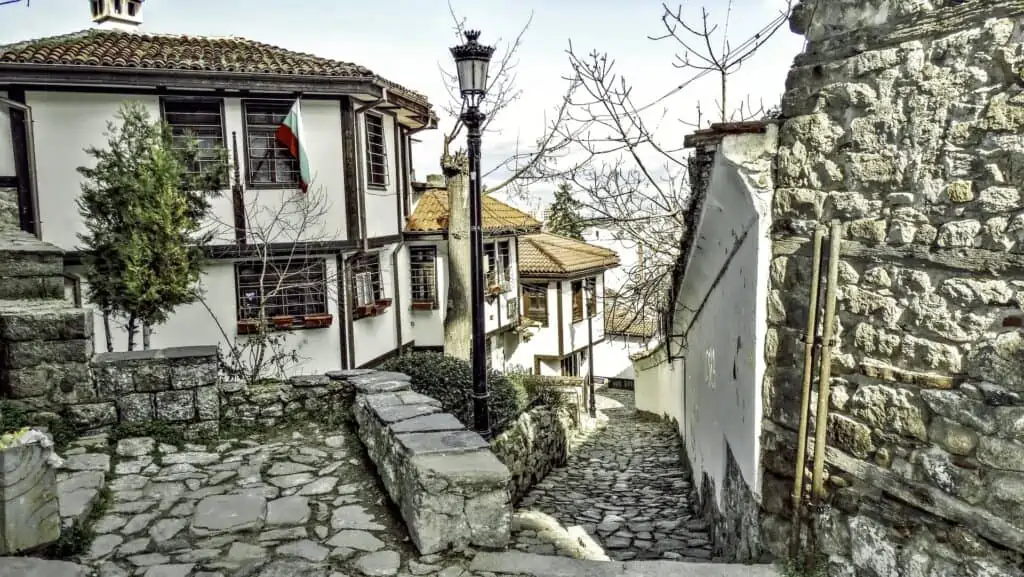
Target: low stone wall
175 385
452 491
536 443
269 403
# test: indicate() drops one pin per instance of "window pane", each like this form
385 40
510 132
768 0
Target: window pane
268 161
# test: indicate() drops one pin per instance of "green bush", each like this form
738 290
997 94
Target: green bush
450 380
537 388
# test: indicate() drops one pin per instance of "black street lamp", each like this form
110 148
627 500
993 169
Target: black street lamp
471 61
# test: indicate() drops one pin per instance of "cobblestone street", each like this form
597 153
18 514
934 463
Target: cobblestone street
624 494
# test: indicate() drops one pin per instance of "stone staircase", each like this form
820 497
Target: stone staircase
531 565
45 348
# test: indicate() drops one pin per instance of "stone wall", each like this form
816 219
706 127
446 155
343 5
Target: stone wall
451 490
533 445
269 403
174 385
906 123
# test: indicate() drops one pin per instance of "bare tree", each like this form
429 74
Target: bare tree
633 181
532 164
277 280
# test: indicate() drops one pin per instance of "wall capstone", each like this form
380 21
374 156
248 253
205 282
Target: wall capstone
452 491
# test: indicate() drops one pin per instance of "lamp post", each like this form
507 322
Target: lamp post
471 61
591 298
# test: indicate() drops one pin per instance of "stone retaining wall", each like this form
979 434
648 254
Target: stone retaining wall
905 120
269 403
452 491
175 385
536 443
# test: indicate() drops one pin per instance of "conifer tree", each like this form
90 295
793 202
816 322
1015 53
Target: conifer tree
144 202
564 217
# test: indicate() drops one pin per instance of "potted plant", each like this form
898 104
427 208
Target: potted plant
248 327
29 498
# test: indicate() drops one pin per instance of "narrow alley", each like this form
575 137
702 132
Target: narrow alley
625 493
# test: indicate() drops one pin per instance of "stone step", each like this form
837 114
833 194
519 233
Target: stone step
528 564
29 267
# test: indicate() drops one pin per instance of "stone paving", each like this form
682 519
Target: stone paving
298 503
623 494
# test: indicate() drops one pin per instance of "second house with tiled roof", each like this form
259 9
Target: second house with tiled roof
338 282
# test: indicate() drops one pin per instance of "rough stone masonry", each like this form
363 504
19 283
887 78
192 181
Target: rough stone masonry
904 119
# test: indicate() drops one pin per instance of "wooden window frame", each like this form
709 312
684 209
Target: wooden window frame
297 278
497 273
590 288
377 173
280 153
367 292
533 292
428 285
179 130
577 301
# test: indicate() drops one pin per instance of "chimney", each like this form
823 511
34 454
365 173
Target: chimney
123 15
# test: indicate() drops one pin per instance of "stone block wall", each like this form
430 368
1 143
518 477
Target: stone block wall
533 445
175 385
906 123
451 490
269 403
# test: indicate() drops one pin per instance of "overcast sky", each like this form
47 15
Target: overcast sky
406 40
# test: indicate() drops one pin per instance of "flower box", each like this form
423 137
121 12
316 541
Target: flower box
366 311
31 516
248 327
422 306
383 304
318 321
283 322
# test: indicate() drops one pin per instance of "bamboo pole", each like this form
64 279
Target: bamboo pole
805 397
825 372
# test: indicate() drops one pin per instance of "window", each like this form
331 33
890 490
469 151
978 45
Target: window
376 152
288 288
505 259
269 163
423 273
497 260
577 301
201 121
367 289
572 365
535 299
590 285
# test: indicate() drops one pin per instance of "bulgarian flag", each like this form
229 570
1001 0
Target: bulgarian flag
290 135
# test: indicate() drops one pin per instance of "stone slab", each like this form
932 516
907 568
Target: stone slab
429 424
479 468
400 413
517 563
28 495
30 567
447 442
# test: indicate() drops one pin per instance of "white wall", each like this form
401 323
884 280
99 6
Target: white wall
6 143
381 219
721 313
66 123
611 356
658 386
375 336
319 349
614 278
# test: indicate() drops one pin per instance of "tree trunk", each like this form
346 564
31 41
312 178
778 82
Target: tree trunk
109 334
457 325
146 331
131 331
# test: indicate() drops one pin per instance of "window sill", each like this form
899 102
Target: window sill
424 305
273 186
287 323
378 186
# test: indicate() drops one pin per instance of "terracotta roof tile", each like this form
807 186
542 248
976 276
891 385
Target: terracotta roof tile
431 215
545 253
170 52
621 319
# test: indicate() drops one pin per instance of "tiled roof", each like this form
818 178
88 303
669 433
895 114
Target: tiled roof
180 53
545 253
431 215
620 319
